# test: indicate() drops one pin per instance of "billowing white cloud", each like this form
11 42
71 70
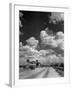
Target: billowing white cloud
56 16
45 53
29 53
20 46
50 32
59 35
47 39
43 56
51 59
20 15
43 34
30 49
53 41
60 40
20 24
47 56
32 42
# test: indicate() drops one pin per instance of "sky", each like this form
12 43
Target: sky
33 22
41 36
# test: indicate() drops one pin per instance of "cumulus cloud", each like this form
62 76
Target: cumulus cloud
47 39
47 56
20 46
43 34
56 16
20 24
51 59
29 50
29 53
60 40
20 14
48 31
55 59
43 56
52 40
32 42
44 53
59 35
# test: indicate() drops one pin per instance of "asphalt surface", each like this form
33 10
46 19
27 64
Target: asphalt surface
38 73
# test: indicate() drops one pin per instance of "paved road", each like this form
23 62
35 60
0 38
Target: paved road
39 73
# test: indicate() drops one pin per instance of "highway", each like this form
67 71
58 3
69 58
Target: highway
39 73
